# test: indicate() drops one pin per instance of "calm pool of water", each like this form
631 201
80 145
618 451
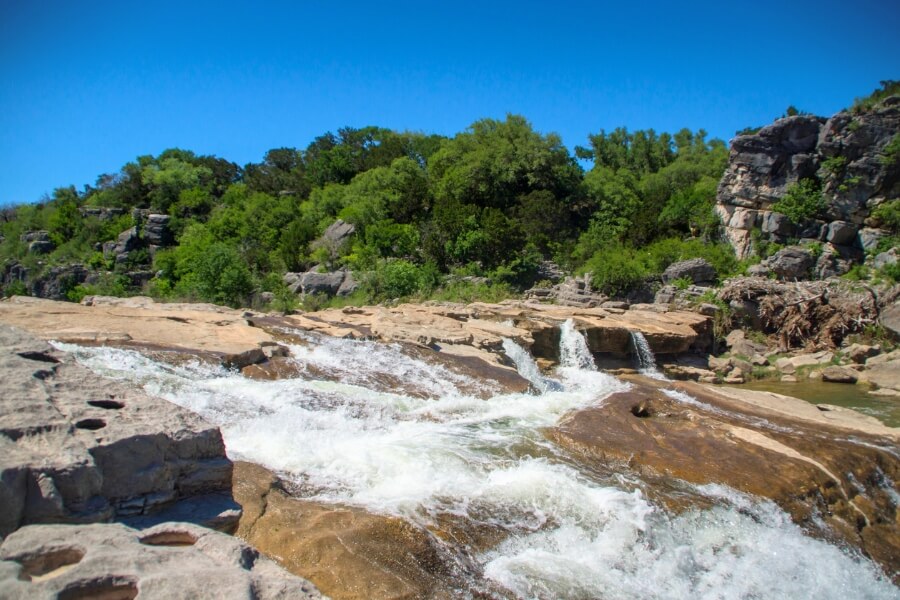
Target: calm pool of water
885 409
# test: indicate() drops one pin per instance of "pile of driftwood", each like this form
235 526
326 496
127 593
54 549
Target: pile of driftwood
805 314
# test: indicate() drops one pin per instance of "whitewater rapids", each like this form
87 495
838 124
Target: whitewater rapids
569 534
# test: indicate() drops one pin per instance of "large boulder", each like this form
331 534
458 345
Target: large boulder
173 560
698 270
791 263
890 319
328 284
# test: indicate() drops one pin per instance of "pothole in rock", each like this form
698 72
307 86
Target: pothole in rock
41 567
39 356
107 404
106 588
91 424
169 538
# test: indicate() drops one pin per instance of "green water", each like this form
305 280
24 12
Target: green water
886 410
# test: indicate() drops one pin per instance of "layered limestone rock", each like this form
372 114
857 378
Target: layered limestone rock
174 560
466 338
832 469
206 331
843 155
76 448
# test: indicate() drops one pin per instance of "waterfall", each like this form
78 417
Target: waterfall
645 359
573 348
527 368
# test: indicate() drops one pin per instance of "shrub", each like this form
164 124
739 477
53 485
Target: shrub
615 271
891 152
802 201
888 214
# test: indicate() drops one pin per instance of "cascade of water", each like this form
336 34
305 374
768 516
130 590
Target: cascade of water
646 360
566 534
573 348
527 368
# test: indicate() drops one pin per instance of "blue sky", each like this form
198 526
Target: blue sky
88 86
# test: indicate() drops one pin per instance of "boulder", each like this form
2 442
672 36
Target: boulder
791 263
777 224
883 259
173 560
868 238
837 374
328 284
698 270
35 236
890 319
841 233
858 353
348 286
78 448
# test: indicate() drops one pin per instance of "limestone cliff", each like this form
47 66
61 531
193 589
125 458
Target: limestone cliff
844 157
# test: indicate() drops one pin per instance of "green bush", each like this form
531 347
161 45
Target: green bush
615 271
888 215
801 201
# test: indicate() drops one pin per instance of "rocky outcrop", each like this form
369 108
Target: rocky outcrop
350 554
39 242
78 449
831 469
843 155
57 281
174 560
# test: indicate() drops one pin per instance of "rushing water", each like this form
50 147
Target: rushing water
646 360
568 534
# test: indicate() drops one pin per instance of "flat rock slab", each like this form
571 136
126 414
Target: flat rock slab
173 560
210 331
75 447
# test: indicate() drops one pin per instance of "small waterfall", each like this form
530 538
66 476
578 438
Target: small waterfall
527 368
573 348
646 360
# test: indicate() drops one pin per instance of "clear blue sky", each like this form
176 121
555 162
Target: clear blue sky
87 86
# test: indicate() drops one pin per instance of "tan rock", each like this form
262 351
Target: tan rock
837 374
346 552
172 560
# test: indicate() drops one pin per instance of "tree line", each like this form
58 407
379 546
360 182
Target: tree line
472 215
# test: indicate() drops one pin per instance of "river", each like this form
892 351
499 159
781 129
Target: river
568 531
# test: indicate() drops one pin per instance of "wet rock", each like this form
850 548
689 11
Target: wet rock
173 560
346 552
698 270
819 470
837 374
78 448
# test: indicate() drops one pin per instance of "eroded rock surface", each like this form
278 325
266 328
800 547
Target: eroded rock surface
833 470
75 447
173 560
